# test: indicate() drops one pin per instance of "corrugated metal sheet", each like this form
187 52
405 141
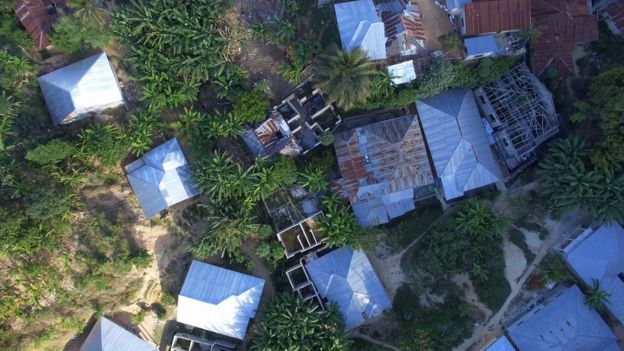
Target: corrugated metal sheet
108 336
501 344
493 16
482 45
87 86
37 17
566 323
457 141
218 299
615 12
360 26
346 278
563 24
600 255
381 165
402 73
161 178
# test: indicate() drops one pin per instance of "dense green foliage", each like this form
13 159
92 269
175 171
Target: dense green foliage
346 77
596 297
338 226
569 181
175 47
252 106
71 35
291 324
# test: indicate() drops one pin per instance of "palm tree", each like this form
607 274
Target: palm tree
480 273
292 73
596 297
346 77
88 12
313 180
476 218
224 236
338 225
221 178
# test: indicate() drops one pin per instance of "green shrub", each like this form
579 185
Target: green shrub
105 143
138 318
51 153
71 36
252 106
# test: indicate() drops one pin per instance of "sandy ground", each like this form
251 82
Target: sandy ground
388 268
463 280
515 261
532 239
435 22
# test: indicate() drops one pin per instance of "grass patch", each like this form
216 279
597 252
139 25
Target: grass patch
516 237
411 226
494 291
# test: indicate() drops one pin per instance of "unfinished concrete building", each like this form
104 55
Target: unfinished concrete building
521 115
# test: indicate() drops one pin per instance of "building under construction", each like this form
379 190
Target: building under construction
521 114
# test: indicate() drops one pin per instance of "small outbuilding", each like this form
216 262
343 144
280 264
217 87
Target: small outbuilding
346 277
84 88
108 336
161 178
218 299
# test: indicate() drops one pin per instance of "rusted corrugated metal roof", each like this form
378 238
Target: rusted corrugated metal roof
492 16
38 16
563 24
379 160
615 11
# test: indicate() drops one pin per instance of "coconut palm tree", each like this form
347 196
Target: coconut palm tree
88 12
476 218
596 297
346 77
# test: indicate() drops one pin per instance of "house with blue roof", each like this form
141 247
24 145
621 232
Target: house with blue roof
84 88
501 344
346 277
218 299
564 322
108 336
161 178
360 26
458 143
599 255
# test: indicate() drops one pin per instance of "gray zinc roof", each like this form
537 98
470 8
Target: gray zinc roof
89 85
161 178
600 255
566 323
360 27
218 299
501 344
345 277
108 336
457 142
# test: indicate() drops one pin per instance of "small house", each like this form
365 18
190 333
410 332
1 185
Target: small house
345 277
481 17
108 336
84 88
161 178
598 255
361 27
218 299
458 143
563 322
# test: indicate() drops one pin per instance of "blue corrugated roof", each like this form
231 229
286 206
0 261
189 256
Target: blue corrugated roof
565 323
457 4
600 255
108 336
482 45
346 278
89 85
218 299
457 142
501 344
161 178
360 27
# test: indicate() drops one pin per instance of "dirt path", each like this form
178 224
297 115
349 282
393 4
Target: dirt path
464 282
260 270
515 261
492 329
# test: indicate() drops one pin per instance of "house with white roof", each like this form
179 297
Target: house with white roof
599 255
218 299
161 178
458 143
346 277
83 88
108 336
563 322
360 26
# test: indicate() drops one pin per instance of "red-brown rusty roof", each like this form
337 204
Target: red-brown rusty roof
616 12
37 17
391 152
492 16
563 24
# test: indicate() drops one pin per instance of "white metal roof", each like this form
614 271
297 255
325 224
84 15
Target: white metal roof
346 277
600 255
360 26
161 178
218 299
457 142
108 336
85 86
402 73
